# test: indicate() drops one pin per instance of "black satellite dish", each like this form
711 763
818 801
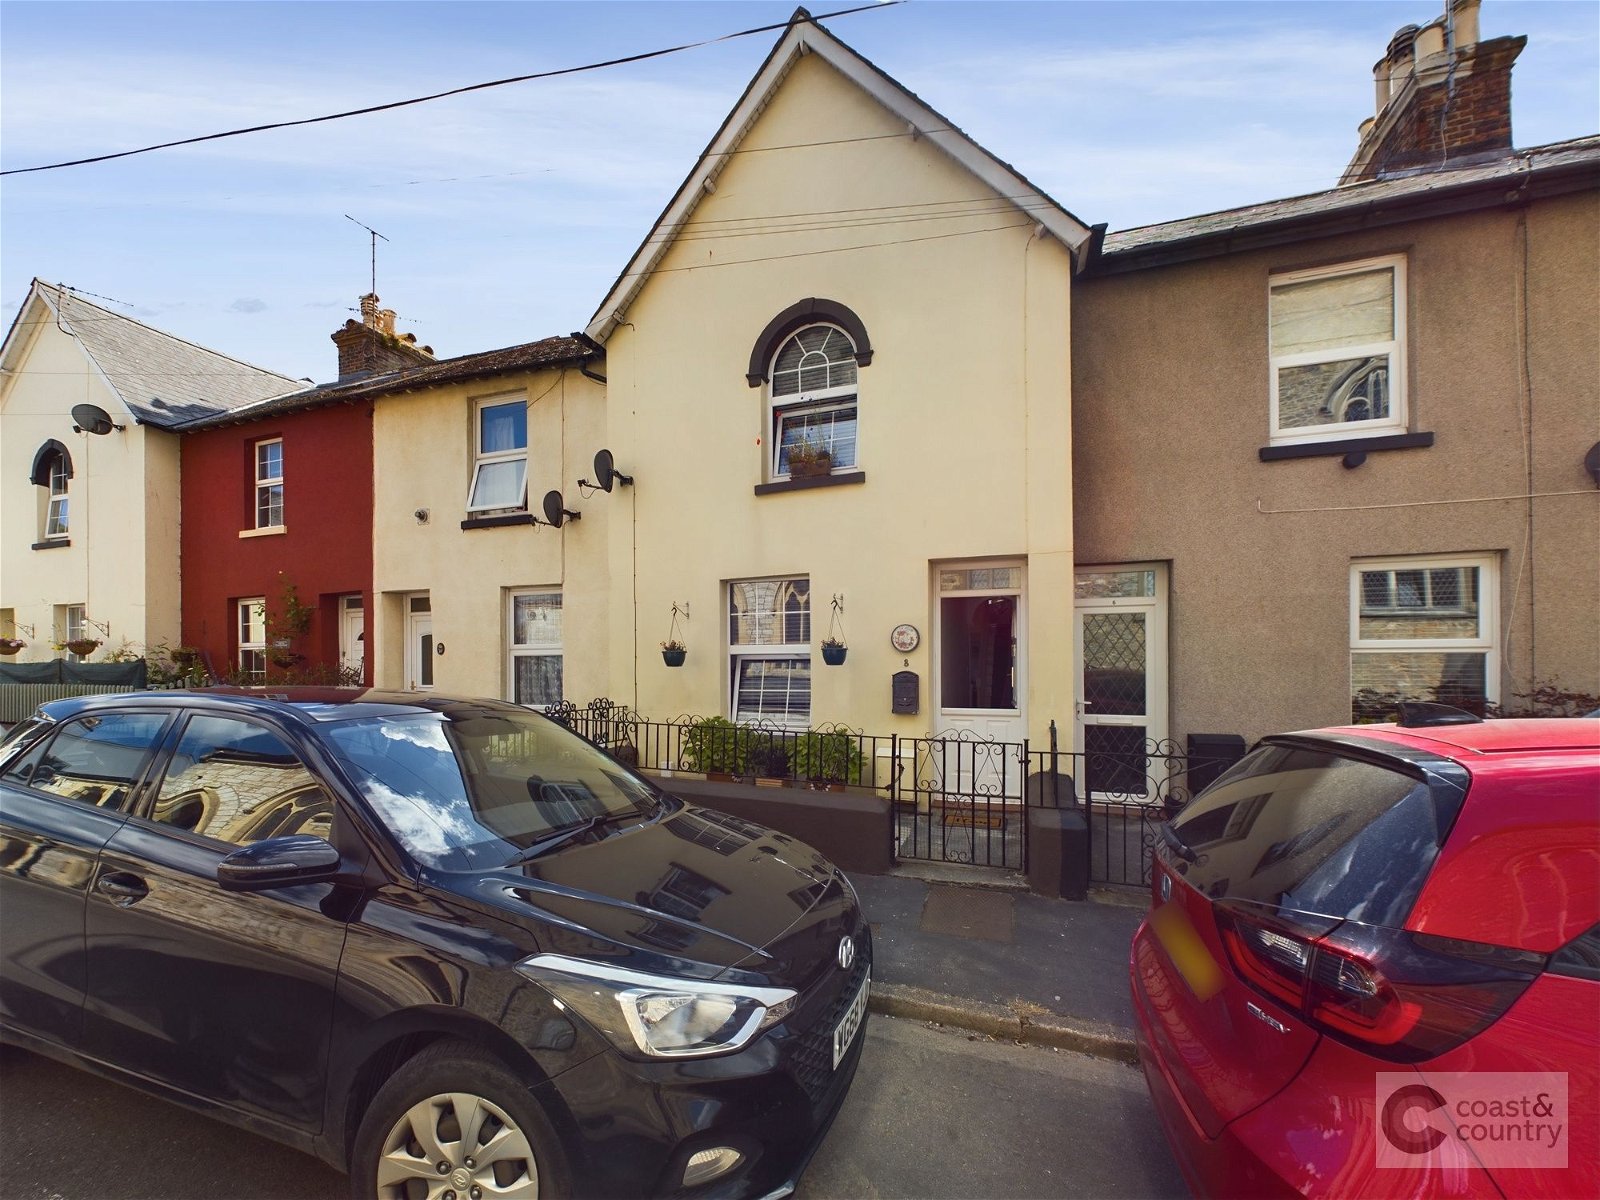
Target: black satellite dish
605 471
554 513
91 418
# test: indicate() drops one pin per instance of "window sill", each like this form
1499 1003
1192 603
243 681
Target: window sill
264 531
53 544
499 522
799 485
1354 445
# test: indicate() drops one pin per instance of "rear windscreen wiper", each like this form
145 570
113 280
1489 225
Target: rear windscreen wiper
1177 845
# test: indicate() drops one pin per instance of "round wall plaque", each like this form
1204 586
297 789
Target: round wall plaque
905 638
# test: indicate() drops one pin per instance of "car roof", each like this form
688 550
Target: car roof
1511 735
307 705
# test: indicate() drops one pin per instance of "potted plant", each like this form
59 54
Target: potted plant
673 652
833 651
808 459
11 645
715 746
82 647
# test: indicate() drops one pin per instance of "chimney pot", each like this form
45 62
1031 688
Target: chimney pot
370 347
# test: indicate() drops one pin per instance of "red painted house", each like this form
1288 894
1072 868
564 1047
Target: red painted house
277 520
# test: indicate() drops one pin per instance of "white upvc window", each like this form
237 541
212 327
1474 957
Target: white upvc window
813 401
500 455
1423 629
533 647
1337 345
769 650
72 624
252 627
56 514
269 484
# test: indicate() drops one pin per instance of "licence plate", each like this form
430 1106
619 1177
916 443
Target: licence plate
845 1031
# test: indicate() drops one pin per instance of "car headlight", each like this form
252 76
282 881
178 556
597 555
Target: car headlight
659 1015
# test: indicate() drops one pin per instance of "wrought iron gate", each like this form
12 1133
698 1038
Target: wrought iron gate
960 799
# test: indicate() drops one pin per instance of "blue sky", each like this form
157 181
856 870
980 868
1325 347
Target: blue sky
510 211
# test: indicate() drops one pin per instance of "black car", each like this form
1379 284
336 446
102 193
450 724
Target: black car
443 944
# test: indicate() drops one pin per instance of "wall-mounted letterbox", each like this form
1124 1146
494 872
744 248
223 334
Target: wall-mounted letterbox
907 691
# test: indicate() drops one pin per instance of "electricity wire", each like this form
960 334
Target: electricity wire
474 87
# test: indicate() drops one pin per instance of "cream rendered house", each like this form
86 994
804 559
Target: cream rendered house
845 273
89 519
475 592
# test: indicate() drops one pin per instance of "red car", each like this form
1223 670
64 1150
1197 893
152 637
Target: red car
1372 964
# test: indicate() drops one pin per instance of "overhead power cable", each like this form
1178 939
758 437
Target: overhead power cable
474 87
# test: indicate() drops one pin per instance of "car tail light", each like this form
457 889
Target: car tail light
1398 995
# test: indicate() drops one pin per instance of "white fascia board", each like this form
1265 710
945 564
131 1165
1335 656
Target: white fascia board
805 37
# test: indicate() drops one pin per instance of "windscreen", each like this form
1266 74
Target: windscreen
1310 831
472 791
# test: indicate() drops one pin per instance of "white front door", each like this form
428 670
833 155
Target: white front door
979 650
352 635
1120 646
419 642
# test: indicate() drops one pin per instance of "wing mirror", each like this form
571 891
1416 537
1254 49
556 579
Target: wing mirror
279 862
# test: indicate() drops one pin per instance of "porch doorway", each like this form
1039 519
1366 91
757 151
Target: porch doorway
352 635
979 650
419 642
1120 709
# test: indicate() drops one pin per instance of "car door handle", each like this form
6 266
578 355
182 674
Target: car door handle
123 888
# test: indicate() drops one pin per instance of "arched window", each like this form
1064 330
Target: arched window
52 471
812 394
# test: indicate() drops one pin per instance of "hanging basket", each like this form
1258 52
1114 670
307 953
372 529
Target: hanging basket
83 647
673 656
11 645
833 655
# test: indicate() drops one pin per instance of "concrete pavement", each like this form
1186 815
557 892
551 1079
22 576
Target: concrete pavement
1002 962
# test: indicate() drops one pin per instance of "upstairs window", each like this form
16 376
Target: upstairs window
269 484
56 511
500 470
769 650
813 398
1338 351
52 474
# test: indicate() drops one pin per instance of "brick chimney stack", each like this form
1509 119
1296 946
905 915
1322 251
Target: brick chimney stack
1443 98
370 346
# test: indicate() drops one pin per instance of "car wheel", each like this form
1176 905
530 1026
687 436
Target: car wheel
454 1124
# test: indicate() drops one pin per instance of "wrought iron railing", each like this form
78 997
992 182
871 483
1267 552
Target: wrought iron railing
956 796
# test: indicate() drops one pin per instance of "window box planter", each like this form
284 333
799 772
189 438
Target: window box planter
809 466
673 656
833 655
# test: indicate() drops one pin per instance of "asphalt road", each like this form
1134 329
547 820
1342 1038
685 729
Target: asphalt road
933 1113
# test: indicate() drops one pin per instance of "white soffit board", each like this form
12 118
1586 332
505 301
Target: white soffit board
805 36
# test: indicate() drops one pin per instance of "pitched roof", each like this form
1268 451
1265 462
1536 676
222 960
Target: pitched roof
805 36
162 380
529 356
1541 170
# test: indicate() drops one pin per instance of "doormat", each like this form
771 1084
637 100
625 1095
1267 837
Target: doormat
969 818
